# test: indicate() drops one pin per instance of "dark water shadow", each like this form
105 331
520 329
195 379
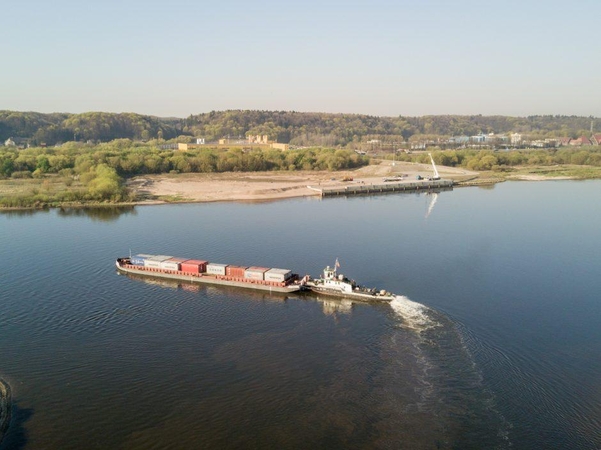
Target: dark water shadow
16 435
96 213
23 212
99 213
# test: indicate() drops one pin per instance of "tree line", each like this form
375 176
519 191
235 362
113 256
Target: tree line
50 129
295 128
483 160
97 173
129 159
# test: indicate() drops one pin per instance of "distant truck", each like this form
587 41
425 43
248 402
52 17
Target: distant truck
394 178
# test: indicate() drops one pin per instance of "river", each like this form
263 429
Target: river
496 342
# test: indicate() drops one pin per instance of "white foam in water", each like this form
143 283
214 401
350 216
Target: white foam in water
414 315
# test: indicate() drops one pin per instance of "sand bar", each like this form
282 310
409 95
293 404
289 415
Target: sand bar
264 186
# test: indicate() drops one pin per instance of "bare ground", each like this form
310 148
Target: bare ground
262 186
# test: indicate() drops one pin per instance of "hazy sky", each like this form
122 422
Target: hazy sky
379 57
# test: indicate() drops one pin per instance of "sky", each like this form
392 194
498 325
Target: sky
377 57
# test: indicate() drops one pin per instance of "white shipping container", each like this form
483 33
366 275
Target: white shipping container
152 263
170 265
155 261
254 274
278 274
161 257
216 269
274 277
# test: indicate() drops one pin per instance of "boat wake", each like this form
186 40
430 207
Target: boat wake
414 315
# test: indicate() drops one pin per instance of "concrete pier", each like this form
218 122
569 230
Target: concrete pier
402 186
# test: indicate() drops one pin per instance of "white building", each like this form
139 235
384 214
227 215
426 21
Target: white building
516 139
479 138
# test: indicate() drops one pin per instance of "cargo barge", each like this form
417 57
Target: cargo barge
200 271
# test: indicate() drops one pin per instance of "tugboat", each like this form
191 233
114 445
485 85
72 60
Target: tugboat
337 285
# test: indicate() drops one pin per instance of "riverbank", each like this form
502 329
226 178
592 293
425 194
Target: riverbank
266 186
270 186
5 408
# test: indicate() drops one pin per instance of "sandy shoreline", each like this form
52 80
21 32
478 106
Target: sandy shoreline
5 408
265 186
273 186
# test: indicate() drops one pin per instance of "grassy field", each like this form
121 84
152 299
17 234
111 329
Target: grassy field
52 190
552 172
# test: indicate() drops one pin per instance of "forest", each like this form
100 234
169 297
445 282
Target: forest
295 128
85 173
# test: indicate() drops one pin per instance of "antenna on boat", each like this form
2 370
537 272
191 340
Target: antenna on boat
130 253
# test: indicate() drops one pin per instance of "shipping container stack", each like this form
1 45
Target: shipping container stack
235 271
196 266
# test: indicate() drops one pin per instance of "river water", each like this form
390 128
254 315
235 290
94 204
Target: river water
496 342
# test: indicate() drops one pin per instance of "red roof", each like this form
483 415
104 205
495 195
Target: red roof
582 140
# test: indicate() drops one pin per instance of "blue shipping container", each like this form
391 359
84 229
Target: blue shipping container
138 260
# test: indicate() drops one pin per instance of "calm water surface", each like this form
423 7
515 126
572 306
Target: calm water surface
496 343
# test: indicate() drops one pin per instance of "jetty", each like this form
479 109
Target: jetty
365 189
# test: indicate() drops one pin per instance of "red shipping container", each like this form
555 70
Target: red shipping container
235 271
194 266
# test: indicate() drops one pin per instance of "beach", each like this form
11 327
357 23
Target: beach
5 408
265 186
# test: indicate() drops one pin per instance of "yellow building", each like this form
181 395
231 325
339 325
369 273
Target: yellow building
282 147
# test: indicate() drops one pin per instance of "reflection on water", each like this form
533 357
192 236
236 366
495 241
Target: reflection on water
23 212
335 306
210 289
433 199
100 213
331 305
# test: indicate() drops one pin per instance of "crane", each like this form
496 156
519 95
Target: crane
436 175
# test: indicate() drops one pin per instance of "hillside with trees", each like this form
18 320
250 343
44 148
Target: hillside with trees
50 129
295 128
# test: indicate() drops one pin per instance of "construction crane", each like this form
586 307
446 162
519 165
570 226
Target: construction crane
436 175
